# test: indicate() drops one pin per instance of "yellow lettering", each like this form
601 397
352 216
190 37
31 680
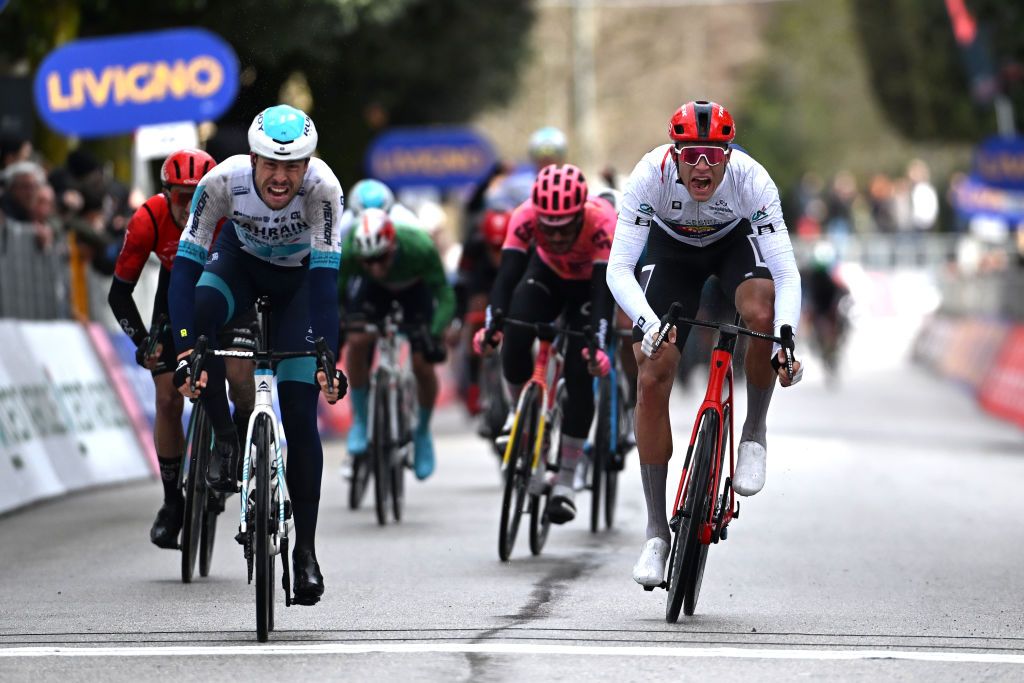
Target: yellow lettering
98 91
175 79
128 87
214 76
58 101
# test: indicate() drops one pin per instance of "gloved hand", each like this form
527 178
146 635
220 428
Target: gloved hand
340 385
779 365
483 346
652 338
433 349
182 373
600 366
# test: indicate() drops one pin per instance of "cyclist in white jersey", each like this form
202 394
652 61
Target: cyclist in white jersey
370 193
715 211
281 240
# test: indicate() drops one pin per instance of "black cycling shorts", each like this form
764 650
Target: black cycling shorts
677 272
374 301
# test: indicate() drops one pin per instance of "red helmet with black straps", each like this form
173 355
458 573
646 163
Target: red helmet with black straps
701 121
186 167
560 192
494 226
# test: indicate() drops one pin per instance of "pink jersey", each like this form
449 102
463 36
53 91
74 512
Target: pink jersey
592 245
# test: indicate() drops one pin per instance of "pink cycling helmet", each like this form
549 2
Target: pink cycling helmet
560 192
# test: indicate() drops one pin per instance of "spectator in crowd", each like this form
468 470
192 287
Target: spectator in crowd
23 179
924 199
14 149
880 197
44 217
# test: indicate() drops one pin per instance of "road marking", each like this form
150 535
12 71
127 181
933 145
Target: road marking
677 652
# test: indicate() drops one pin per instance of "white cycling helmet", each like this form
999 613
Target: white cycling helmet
374 234
370 194
548 144
282 132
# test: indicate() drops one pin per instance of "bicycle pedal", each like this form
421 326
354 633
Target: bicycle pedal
649 588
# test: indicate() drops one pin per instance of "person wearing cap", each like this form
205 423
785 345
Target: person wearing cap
281 240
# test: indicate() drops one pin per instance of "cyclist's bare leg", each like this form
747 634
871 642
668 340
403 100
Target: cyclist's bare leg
755 301
426 382
358 362
654 432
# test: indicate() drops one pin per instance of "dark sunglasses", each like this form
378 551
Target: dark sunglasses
373 260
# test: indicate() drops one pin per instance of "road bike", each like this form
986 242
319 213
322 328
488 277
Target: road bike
705 502
265 518
608 447
392 409
534 446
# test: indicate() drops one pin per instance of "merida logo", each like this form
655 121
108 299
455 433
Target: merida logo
263 386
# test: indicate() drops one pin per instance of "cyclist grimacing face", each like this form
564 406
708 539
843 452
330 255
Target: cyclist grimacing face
701 168
277 180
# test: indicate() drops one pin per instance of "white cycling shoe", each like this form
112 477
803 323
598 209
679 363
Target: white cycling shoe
649 570
750 468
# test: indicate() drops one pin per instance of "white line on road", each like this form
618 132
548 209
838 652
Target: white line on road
680 651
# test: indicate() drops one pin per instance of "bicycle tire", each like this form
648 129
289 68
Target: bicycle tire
687 551
398 468
540 523
601 452
197 451
381 450
209 535
611 474
261 546
362 472
698 552
517 472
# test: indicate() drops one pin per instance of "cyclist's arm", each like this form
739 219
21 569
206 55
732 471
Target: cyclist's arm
209 204
602 306
514 257
139 239
769 226
631 231
323 209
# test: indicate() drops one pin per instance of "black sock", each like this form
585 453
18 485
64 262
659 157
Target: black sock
169 470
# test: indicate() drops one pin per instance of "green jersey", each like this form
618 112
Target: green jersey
416 260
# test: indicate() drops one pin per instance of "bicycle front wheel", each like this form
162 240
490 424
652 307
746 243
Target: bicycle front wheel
600 452
380 450
518 470
398 465
214 505
197 450
540 523
686 568
262 547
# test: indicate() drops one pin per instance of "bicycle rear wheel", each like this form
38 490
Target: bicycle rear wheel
262 546
686 568
517 471
611 474
197 455
601 452
380 448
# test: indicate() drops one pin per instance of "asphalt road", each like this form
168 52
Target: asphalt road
886 544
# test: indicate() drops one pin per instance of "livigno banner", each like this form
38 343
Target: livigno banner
106 86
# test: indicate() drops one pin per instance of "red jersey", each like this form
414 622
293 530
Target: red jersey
592 245
150 230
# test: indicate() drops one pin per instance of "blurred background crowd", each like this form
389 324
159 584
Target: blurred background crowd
869 116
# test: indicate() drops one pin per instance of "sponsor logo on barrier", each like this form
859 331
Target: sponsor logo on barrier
40 410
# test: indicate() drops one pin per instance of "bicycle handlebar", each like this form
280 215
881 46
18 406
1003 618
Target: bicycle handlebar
201 350
674 317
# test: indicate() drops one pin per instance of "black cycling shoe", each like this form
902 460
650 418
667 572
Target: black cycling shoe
309 582
167 526
561 508
223 466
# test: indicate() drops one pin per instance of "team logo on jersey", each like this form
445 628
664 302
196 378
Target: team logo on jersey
762 229
759 214
646 208
239 189
643 222
677 205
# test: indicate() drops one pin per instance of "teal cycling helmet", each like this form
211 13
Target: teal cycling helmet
548 144
370 194
282 132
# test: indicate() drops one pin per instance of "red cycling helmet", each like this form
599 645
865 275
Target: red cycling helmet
701 121
494 226
186 167
560 191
